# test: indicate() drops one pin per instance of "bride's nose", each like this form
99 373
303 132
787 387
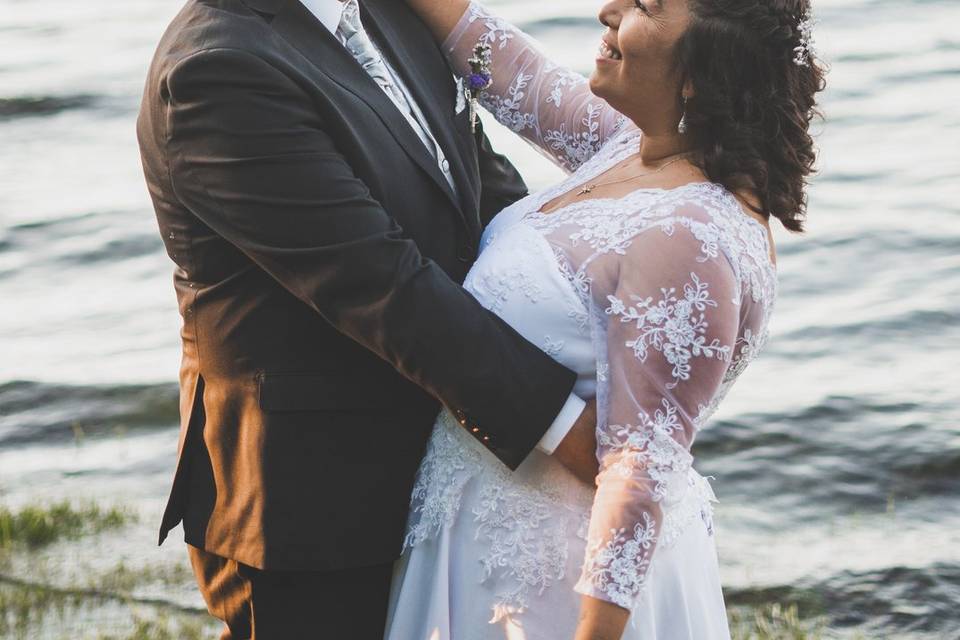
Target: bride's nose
610 14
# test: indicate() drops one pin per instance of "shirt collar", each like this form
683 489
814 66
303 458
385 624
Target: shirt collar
328 12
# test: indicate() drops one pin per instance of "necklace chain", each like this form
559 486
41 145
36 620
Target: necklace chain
587 188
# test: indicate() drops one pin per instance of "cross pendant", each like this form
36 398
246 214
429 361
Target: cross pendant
587 188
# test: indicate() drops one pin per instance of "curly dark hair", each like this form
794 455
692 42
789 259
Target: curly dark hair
752 107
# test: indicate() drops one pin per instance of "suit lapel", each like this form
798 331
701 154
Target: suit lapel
294 22
411 59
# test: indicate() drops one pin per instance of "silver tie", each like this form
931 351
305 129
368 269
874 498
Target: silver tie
358 43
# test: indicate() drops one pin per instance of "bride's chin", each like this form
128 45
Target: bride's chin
601 88
596 85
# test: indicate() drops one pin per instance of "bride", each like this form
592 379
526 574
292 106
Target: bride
650 271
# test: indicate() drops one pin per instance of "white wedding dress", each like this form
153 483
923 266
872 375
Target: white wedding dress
658 300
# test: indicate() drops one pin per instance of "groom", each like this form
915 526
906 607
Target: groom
316 183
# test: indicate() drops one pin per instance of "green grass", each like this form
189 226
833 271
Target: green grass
36 526
773 621
121 579
22 609
162 628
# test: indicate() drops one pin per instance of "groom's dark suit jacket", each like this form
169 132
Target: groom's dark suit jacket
318 252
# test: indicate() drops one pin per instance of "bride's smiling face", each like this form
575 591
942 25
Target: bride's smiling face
636 65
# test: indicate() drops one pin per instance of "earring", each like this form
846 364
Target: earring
682 126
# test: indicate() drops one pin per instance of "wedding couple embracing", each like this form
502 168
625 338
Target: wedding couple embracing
419 402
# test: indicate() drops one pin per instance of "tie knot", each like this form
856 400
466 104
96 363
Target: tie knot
350 19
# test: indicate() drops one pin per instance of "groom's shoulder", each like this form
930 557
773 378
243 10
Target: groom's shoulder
203 25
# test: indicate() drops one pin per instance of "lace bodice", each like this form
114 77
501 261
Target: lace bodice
658 300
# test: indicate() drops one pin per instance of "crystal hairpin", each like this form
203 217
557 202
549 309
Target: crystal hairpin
804 50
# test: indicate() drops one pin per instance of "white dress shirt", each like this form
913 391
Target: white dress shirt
329 13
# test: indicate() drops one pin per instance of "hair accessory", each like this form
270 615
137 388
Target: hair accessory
804 51
480 78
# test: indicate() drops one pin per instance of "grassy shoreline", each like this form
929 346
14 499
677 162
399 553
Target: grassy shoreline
39 525
109 604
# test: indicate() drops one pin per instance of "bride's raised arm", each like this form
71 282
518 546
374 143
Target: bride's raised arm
550 106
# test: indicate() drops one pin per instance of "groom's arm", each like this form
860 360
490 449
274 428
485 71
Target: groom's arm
249 156
571 439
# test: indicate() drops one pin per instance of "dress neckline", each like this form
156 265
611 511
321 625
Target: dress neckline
544 214
717 188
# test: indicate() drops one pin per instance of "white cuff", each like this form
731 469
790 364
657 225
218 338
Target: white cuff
561 426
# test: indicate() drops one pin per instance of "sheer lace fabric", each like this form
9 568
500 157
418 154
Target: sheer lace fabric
669 314
658 300
549 105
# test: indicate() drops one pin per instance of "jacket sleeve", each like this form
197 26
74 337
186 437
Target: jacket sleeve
249 156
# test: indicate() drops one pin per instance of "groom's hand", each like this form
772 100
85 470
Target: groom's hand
578 450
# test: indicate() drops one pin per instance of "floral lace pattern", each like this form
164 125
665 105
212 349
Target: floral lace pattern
619 561
677 323
650 447
581 284
444 472
672 326
563 78
493 287
527 543
497 32
552 347
507 109
578 144
547 104
524 526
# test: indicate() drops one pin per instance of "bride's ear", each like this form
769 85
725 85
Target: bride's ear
687 91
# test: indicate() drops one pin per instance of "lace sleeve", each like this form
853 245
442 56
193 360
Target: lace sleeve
550 106
667 314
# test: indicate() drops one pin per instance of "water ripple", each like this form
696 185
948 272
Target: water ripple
926 600
25 107
32 412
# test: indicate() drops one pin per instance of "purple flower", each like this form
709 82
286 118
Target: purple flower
479 81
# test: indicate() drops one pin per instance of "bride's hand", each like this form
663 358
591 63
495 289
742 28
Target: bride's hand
600 620
441 16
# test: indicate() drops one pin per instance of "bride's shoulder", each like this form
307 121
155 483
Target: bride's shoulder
702 201
713 217
699 200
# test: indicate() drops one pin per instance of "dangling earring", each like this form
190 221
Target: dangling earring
682 126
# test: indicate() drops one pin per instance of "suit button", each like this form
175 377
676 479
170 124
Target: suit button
464 254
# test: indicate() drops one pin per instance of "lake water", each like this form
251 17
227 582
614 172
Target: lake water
836 457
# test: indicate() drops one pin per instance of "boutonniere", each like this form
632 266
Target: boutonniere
480 79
